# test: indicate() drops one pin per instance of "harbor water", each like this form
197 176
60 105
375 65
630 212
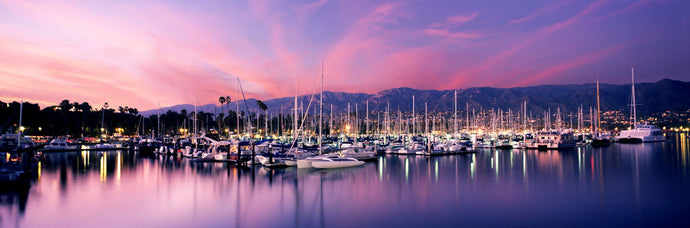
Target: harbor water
622 185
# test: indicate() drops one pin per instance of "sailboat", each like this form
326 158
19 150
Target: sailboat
639 133
327 161
600 138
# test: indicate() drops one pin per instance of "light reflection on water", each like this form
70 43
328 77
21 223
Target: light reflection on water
620 185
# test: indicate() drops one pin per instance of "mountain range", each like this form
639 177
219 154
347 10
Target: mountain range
654 97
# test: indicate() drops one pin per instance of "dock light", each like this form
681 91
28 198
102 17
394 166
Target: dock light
347 127
21 128
40 129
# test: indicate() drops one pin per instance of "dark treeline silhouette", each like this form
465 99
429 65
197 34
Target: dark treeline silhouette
74 119
84 120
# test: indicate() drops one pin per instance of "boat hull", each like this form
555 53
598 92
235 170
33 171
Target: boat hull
290 162
304 164
335 165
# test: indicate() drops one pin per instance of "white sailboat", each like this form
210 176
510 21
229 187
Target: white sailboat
639 133
326 161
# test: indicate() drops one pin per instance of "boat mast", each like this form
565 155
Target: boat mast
426 119
467 117
387 121
347 119
237 109
367 124
524 122
455 113
634 110
414 118
245 105
598 109
294 131
356 124
321 109
195 120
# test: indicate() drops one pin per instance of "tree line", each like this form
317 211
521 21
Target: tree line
81 119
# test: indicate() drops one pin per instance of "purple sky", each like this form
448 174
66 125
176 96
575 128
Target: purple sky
148 53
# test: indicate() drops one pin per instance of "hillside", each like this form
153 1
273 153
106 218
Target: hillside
653 97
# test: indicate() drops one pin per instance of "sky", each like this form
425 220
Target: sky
147 54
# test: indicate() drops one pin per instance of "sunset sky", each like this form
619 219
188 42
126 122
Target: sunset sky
148 53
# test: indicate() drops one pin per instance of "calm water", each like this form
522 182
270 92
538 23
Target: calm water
621 185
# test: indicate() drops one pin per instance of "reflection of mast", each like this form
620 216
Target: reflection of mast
321 219
237 207
296 201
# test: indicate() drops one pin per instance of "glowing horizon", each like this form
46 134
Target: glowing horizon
146 54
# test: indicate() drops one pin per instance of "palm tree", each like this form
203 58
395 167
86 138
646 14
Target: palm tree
222 101
264 108
133 111
85 107
65 105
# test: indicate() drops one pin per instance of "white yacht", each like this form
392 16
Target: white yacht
337 162
59 144
359 153
639 133
307 162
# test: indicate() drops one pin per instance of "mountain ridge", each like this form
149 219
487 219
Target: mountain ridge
665 94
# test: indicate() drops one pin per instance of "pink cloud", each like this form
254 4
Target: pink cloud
453 21
448 34
551 8
306 9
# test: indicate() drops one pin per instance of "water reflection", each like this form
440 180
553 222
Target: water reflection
624 184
